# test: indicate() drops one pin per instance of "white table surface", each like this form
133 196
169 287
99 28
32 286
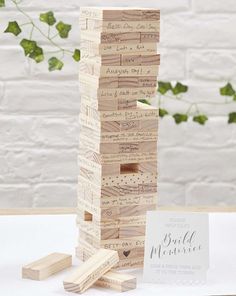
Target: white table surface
26 238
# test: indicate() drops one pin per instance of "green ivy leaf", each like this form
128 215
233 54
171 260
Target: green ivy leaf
179 88
37 54
55 64
63 29
163 87
28 46
48 18
234 97
144 101
201 119
162 112
227 90
13 28
232 117
2 3
76 55
180 118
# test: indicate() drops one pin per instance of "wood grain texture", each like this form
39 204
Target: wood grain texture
120 282
120 14
46 266
88 67
90 49
120 26
95 267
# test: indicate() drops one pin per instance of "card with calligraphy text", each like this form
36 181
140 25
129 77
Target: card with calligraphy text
176 247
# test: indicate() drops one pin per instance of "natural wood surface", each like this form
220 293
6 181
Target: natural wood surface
46 266
87 274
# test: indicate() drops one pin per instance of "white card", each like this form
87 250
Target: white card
176 247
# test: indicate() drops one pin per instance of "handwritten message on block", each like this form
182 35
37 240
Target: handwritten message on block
176 247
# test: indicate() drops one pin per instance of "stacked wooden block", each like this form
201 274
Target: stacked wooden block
118 135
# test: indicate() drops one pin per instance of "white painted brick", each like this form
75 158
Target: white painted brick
16 64
46 5
205 194
54 132
18 196
38 97
212 6
188 30
216 133
171 194
38 165
55 195
15 130
213 65
40 131
198 165
172 64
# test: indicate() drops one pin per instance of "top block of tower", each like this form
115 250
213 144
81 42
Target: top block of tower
120 14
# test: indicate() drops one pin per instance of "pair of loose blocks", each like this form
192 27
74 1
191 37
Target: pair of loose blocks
95 271
117 181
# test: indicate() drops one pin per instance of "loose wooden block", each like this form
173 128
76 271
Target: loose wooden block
118 281
120 14
46 266
89 48
95 267
120 26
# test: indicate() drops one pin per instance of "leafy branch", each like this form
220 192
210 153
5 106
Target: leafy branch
31 47
175 92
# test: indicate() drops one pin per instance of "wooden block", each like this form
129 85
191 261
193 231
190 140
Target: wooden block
104 38
117 281
132 81
126 232
118 137
91 49
149 37
142 112
140 60
110 105
121 26
95 267
120 14
102 94
118 82
88 67
46 266
130 263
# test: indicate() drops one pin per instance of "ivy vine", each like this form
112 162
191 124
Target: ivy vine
53 29
166 90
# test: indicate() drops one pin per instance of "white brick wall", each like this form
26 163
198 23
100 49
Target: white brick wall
38 110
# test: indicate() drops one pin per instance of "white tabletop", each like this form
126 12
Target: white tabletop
26 238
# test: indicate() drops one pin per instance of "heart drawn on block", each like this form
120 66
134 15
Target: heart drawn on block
126 253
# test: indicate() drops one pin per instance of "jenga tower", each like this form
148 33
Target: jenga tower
118 134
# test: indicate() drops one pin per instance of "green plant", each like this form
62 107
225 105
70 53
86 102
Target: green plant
51 30
168 91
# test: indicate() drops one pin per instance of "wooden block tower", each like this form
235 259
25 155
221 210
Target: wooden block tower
117 181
